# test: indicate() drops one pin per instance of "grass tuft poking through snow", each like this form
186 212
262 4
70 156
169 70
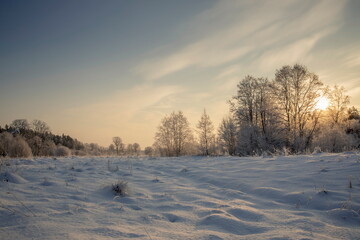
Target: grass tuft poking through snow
121 188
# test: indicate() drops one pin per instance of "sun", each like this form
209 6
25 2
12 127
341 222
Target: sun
322 103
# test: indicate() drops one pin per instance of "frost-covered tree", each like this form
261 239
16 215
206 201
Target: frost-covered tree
118 144
19 148
335 139
40 126
111 149
338 105
62 151
256 115
296 90
149 151
136 148
353 113
48 148
332 136
130 149
174 136
227 135
5 143
35 144
206 134
20 124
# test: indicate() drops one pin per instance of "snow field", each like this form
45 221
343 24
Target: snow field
285 197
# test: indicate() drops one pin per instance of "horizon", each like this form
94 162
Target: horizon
94 70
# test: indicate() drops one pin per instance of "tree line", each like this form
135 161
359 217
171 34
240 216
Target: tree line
22 138
279 116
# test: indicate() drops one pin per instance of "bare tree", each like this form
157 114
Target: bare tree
255 113
338 105
118 144
20 124
130 149
206 134
296 90
111 149
149 151
35 144
40 126
243 105
6 140
227 135
136 148
353 113
174 135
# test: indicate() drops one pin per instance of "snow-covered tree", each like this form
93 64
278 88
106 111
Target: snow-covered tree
335 139
338 105
227 135
353 113
20 124
48 148
40 126
149 151
174 136
136 148
206 134
129 149
5 143
19 148
111 149
256 114
35 144
296 90
118 144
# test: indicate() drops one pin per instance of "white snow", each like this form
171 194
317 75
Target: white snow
285 197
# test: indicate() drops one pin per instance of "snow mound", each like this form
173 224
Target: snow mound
345 216
285 197
247 214
223 223
12 178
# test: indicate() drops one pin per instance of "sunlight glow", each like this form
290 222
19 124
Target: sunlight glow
322 103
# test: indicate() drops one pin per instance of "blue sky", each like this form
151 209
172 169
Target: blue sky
97 69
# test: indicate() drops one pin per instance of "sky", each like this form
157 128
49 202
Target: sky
99 69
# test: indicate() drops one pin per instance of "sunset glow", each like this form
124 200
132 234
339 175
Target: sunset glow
179 119
95 69
322 103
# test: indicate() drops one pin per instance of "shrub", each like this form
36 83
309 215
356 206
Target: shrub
335 139
62 151
79 153
149 151
317 149
19 148
5 142
48 148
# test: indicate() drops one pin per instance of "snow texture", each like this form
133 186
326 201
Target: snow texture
285 197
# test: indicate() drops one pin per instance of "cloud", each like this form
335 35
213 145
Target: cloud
243 31
295 52
124 114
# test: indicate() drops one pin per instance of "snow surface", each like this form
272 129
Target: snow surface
284 197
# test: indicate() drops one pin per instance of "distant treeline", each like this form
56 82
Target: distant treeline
290 114
23 139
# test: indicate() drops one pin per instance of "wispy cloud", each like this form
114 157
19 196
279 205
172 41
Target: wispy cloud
124 114
248 30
